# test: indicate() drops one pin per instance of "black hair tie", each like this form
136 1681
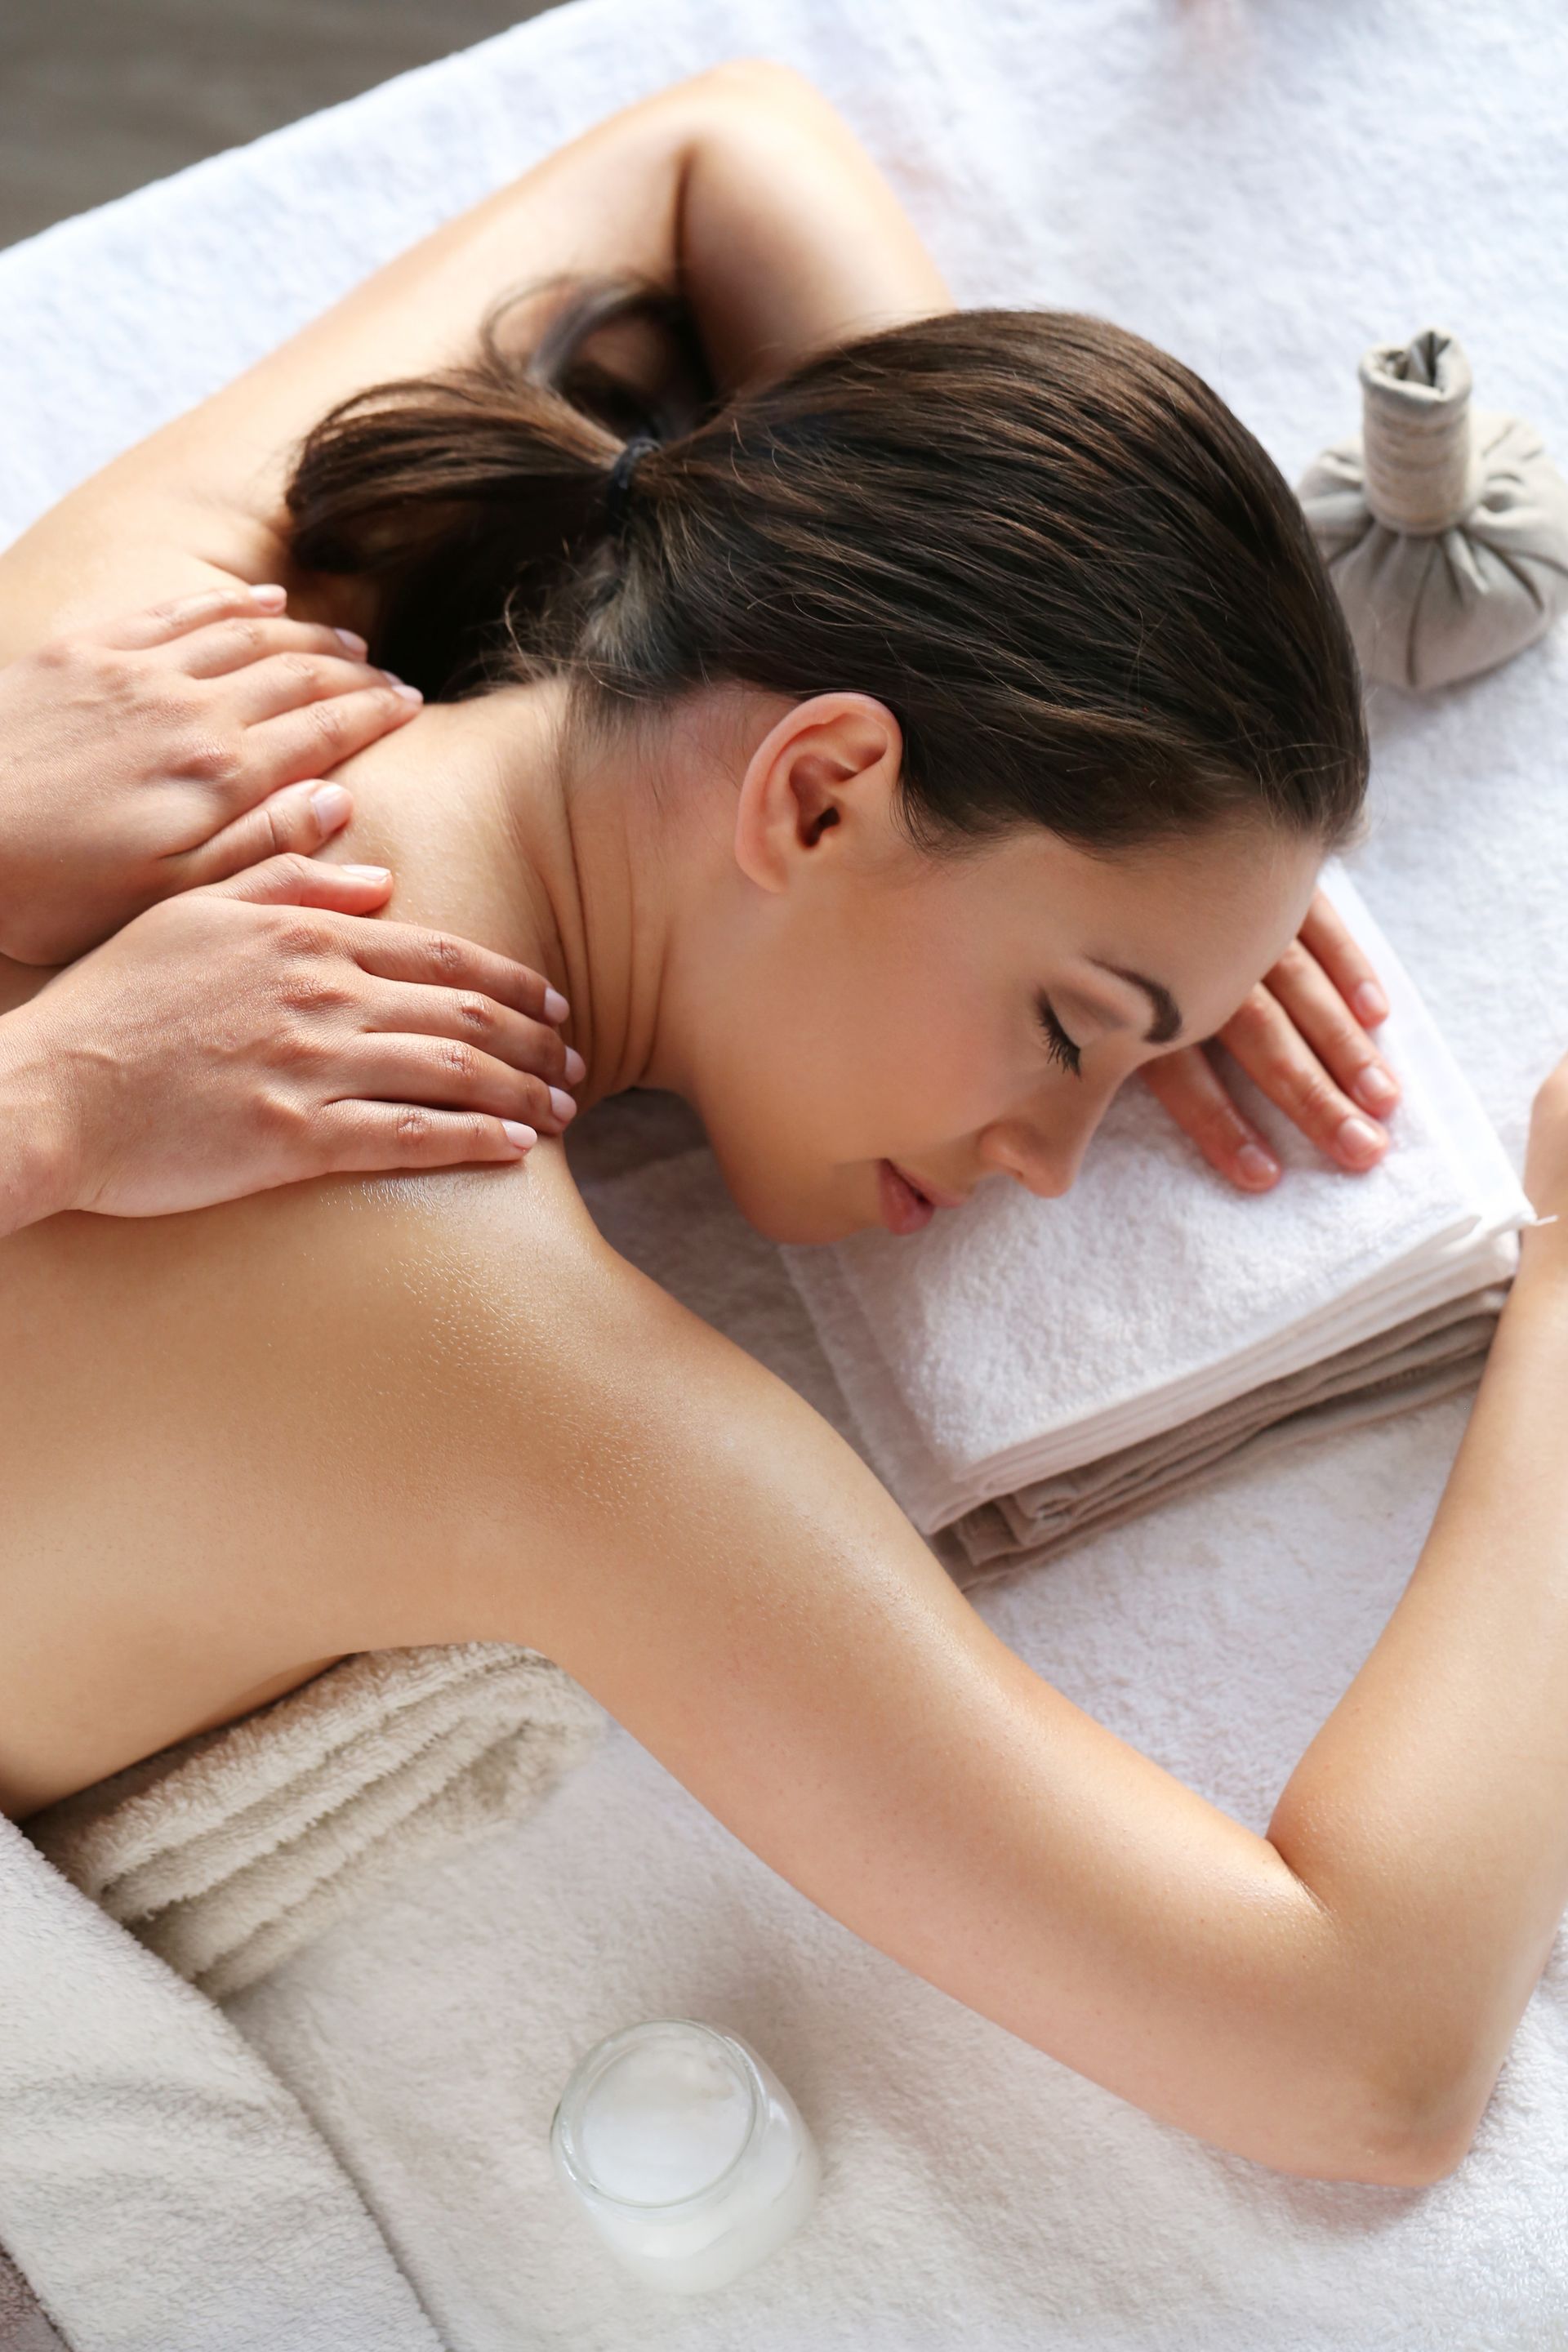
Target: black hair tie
618 490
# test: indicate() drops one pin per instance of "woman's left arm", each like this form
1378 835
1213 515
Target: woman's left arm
740 188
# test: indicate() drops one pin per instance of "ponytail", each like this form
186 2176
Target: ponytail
1082 587
472 496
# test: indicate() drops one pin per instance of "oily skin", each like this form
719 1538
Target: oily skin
821 992
733 911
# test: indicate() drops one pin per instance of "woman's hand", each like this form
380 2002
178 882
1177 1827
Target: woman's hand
170 748
1301 1035
263 1030
1543 1248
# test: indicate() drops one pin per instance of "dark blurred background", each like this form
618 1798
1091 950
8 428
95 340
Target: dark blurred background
98 96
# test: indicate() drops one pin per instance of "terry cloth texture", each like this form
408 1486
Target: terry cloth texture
233 1849
158 2187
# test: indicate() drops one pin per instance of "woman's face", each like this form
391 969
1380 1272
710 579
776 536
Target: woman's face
878 1030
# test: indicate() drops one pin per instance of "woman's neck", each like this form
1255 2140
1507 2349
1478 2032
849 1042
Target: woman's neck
590 875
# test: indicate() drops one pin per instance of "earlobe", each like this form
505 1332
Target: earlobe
829 769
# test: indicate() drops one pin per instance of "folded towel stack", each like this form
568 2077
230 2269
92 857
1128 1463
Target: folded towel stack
1026 1370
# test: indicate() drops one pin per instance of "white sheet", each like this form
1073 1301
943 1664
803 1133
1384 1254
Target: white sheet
1266 192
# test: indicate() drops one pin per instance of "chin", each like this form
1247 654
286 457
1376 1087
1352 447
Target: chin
800 1216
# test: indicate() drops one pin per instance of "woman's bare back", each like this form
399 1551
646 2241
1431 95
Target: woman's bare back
204 1452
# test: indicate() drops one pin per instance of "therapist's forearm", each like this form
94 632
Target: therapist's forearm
33 1164
1430 1813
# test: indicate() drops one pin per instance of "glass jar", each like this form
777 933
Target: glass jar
686 2152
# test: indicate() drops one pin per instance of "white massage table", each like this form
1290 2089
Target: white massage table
1265 191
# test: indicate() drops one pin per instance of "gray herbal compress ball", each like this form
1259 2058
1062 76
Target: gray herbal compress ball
1445 528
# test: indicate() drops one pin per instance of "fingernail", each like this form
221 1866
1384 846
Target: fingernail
352 639
515 1132
561 1105
1358 1139
272 596
1258 1166
576 1068
1370 1002
409 693
369 873
555 1005
331 804
1374 1087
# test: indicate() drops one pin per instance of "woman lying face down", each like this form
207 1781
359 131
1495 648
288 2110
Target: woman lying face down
971 711
838 762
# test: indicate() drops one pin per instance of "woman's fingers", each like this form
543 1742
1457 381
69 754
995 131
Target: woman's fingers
1318 1008
361 1137
314 739
1190 1089
156 625
1324 934
1275 1055
409 951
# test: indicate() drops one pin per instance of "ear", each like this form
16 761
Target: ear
821 784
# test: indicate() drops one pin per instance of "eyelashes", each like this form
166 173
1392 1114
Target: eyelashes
1058 1044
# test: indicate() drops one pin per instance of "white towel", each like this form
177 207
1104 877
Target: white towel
234 1848
1017 1339
158 2187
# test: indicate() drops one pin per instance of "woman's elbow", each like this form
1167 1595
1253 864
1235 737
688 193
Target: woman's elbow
1414 2138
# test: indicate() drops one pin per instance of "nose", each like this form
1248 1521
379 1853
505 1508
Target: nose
1043 1151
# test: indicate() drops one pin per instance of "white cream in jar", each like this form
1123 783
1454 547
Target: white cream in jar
686 2152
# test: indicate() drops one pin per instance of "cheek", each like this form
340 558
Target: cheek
911 1051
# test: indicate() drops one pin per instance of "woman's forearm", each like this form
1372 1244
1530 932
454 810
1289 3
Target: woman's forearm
789 237
1430 1813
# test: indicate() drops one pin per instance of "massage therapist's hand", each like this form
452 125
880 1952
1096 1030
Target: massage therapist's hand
263 1030
168 749
1301 1036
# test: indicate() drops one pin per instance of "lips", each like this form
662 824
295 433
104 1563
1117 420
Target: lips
905 1209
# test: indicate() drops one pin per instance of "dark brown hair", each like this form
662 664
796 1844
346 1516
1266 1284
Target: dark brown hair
1083 588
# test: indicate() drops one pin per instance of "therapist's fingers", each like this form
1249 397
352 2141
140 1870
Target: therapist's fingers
240 641
1277 1057
410 952
532 1047
287 681
1324 935
1189 1087
444 1072
302 818
156 625
354 1138
312 739
1319 1011
296 881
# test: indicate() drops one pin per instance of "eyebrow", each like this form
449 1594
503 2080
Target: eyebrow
1167 1019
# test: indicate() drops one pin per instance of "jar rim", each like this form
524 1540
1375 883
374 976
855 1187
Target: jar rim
587 2073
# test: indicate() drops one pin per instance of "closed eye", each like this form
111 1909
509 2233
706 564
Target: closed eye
1058 1044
